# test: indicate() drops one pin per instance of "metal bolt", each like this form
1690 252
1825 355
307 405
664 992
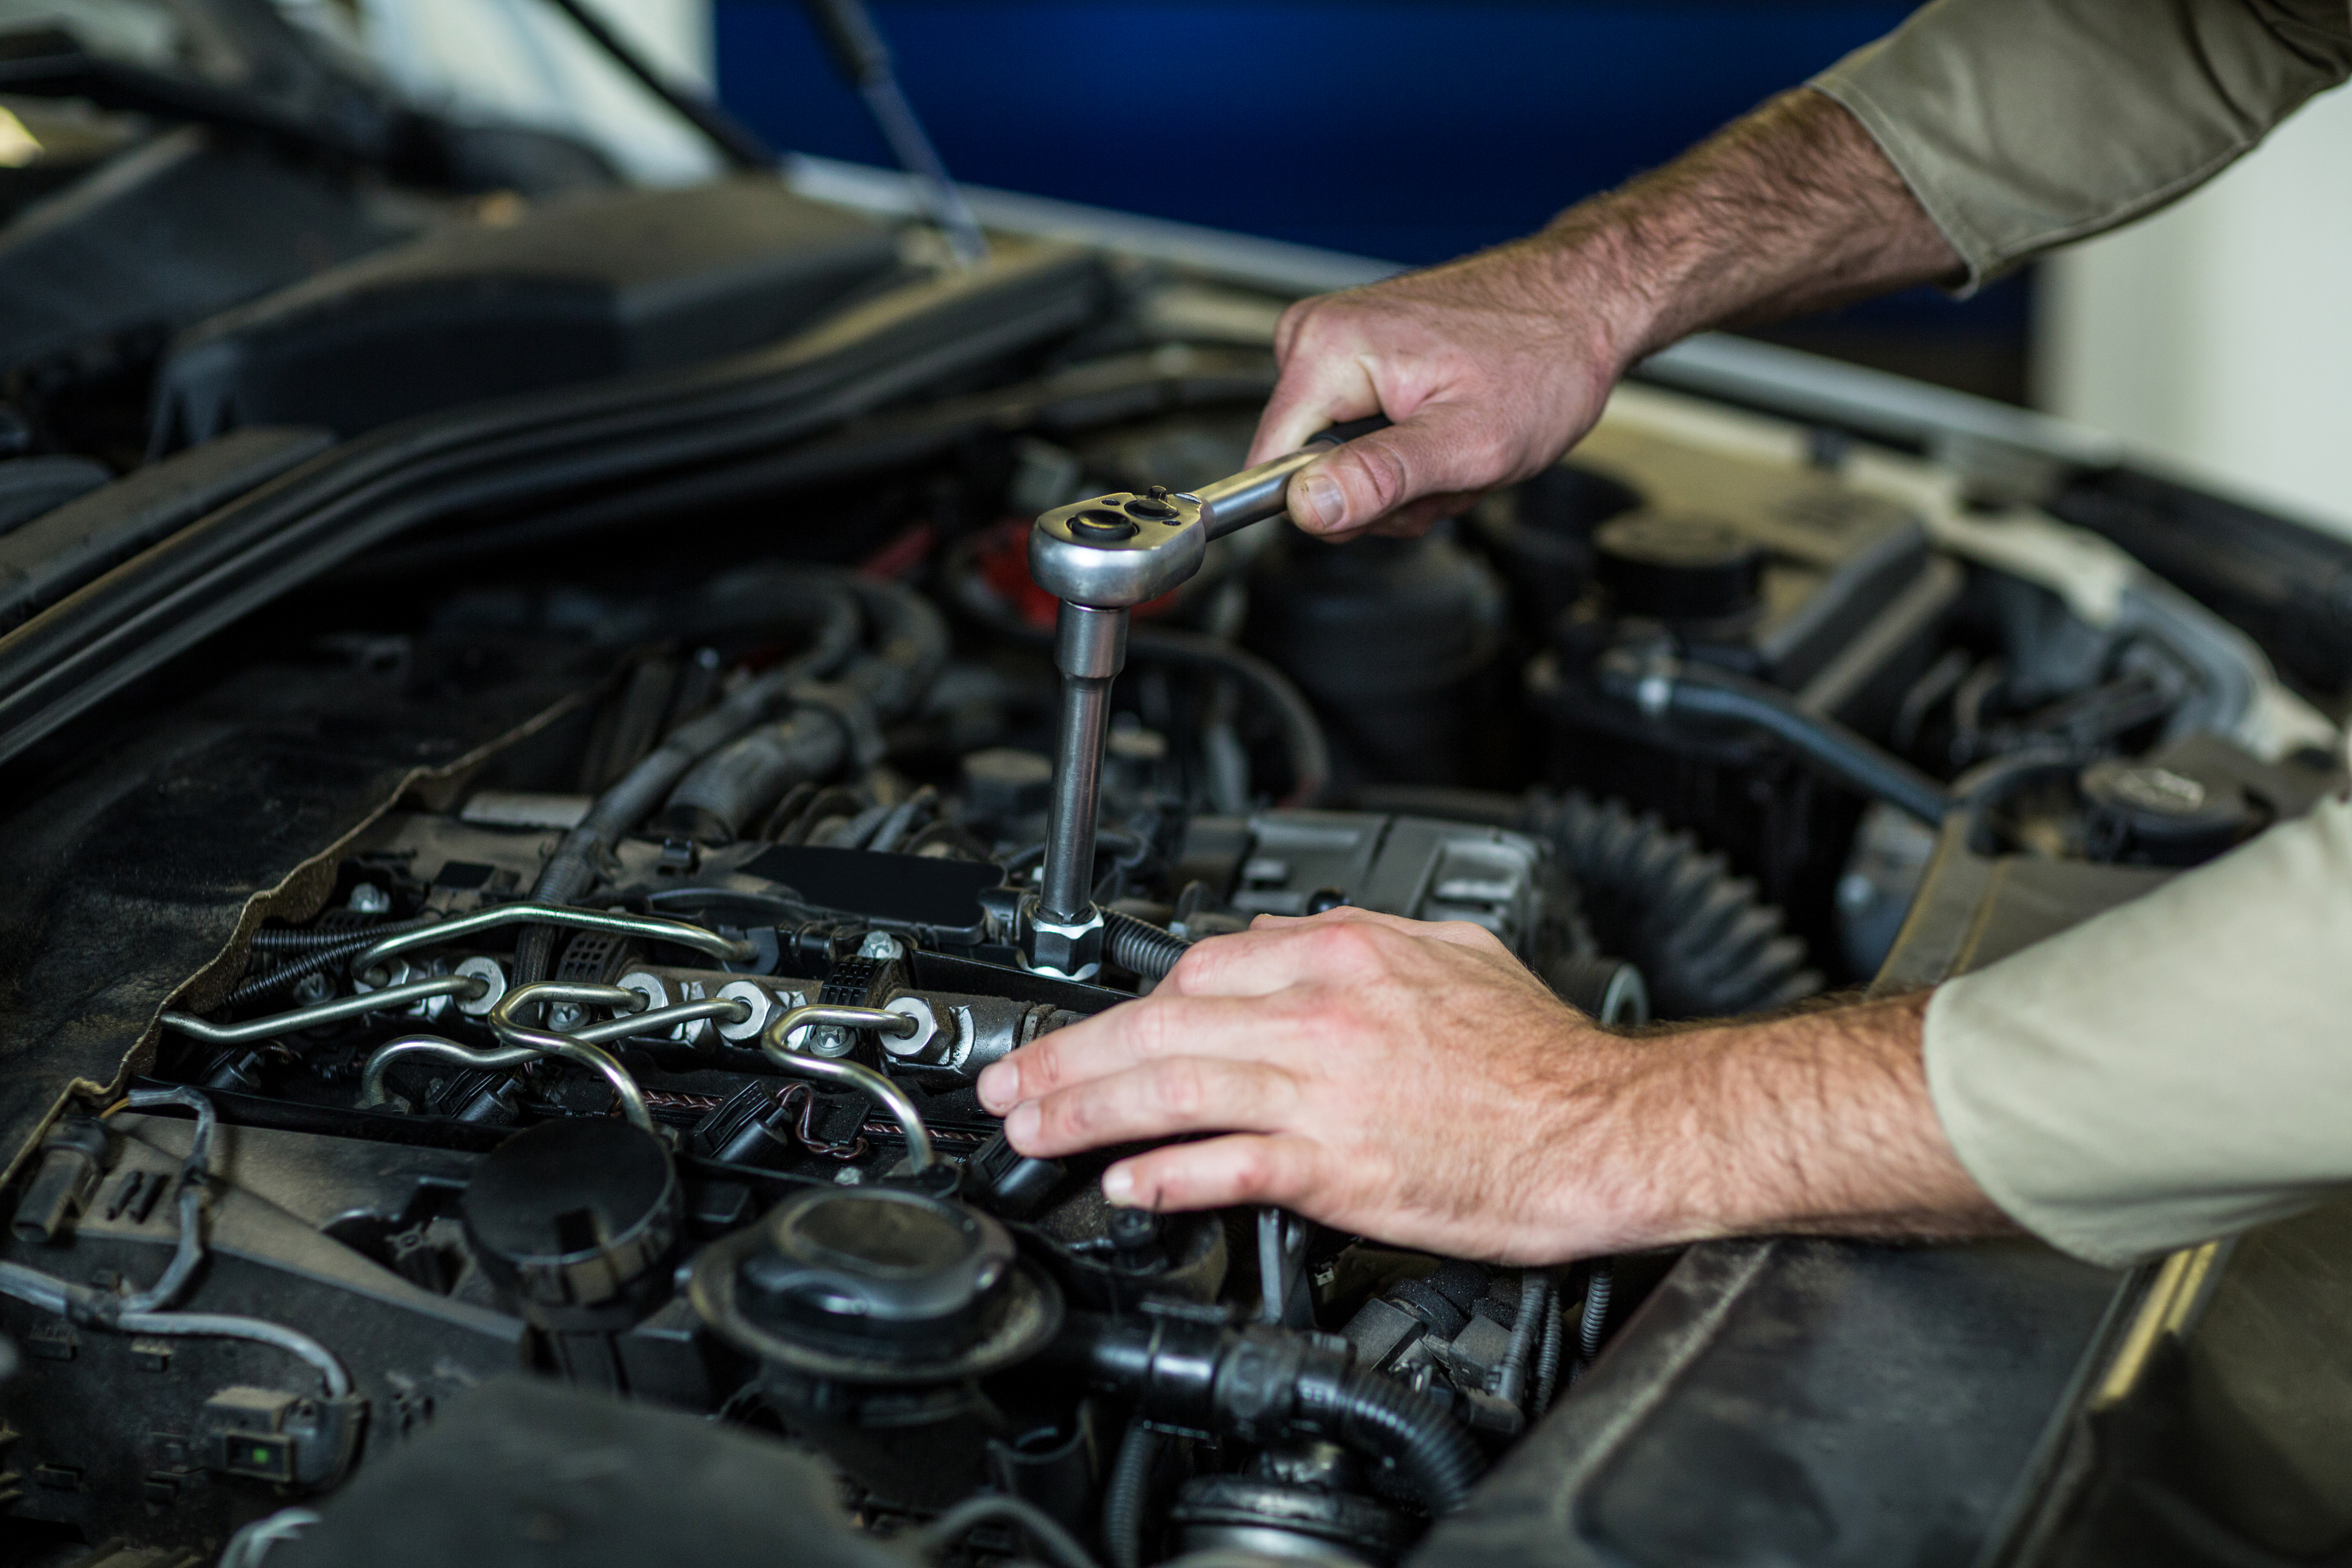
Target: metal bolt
368 900
829 1040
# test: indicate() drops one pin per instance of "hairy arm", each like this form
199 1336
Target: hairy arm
1494 365
1412 1082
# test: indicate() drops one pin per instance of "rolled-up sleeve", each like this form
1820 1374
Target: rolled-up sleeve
2175 1070
2021 124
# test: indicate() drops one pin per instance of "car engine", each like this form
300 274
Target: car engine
526 728
635 1045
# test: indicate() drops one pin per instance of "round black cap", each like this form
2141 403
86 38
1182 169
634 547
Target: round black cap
2165 812
875 1268
572 1212
1676 565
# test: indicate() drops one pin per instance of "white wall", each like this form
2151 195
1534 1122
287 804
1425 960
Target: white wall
2218 334
522 60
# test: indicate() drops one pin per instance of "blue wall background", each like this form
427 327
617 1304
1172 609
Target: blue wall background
1407 129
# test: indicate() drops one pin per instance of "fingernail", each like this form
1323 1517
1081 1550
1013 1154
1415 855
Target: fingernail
999 1085
1118 1186
1021 1123
1317 495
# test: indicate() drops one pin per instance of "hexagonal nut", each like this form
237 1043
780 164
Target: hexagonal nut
385 974
1063 951
396 971
659 993
763 1003
918 1045
492 975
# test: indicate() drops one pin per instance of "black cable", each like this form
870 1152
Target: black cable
1694 691
1526 1336
1256 1381
1594 1323
1307 752
1548 1359
738 142
1060 1547
1126 1493
828 602
1377 1413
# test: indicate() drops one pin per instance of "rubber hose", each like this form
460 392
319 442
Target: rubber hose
1548 1359
1379 1415
1308 755
731 786
910 646
571 871
1527 1331
1125 1494
1594 1322
1697 691
1707 945
1141 946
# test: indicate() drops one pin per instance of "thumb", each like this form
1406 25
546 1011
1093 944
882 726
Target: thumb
1445 449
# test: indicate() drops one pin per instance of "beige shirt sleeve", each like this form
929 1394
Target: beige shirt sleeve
2021 124
2175 1070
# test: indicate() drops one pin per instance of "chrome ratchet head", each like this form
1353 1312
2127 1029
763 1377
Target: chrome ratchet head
1114 551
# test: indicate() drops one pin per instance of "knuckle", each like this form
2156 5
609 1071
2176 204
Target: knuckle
1152 1031
1197 964
1180 1087
1385 471
1073 1116
1041 1067
1470 934
1252 1173
1352 945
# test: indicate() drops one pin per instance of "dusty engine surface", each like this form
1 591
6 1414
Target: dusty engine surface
624 1031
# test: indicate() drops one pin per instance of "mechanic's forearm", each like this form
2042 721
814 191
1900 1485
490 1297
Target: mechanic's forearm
1818 1123
1791 208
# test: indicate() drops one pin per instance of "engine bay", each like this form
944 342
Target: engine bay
629 1036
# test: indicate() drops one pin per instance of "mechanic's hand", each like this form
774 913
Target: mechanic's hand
1491 367
1393 1077
1414 1083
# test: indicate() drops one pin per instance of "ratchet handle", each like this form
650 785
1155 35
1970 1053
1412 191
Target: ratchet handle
1341 434
1256 494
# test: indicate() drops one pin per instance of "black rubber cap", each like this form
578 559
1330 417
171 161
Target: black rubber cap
875 1268
1677 566
573 1213
2147 810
